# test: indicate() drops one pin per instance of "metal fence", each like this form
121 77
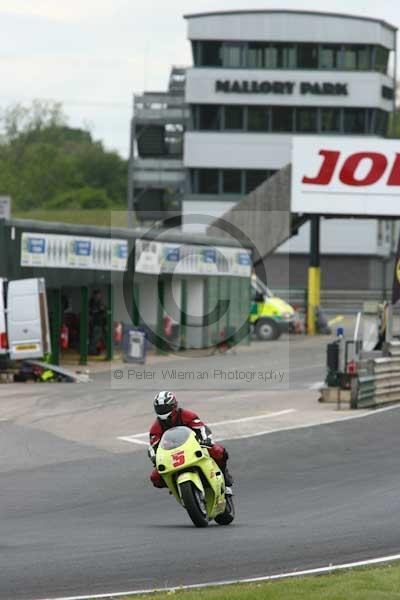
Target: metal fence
378 380
335 301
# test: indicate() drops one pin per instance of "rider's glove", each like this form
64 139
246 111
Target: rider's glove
206 442
204 436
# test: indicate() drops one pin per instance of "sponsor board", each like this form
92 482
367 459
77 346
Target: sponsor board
108 254
73 252
159 257
355 176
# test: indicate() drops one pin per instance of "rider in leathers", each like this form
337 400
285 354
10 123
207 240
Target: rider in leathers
170 415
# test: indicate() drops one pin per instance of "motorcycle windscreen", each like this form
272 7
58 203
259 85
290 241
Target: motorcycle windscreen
27 319
175 437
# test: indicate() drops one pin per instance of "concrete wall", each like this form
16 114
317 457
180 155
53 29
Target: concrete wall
337 272
147 299
263 216
286 25
344 236
195 311
172 303
197 214
362 85
237 150
172 299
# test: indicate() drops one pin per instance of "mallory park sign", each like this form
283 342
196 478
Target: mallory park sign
281 87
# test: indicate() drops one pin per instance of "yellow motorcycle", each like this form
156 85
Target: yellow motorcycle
194 478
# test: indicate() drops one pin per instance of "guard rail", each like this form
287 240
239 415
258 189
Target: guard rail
378 380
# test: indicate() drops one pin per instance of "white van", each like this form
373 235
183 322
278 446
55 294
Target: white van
24 321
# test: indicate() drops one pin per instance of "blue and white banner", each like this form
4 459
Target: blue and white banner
186 259
73 252
108 254
37 245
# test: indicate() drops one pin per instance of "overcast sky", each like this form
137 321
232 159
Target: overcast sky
91 55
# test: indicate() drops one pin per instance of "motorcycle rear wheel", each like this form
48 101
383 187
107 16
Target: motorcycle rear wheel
228 515
194 504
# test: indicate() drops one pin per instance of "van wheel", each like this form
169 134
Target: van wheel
267 329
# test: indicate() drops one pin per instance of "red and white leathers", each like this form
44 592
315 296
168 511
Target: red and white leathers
181 416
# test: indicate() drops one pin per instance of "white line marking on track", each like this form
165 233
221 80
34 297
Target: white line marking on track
317 571
307 425
255 418
316 386
306 368
132 439
135 438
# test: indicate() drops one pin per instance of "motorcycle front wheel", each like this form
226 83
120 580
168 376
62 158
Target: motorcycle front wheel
194 504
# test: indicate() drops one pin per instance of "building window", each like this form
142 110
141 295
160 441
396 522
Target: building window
288 119
286 56
354 120
196 53
356 57
282 118
256 54
370 117
254 178
232 54
329 57
306 120
208 181
307 56
209 117
330 120
227 181
280 56
231 181
193 180
364 62
385 123
258 118
233 118
381 59
349 57
381 122
271 57
210 54
274 55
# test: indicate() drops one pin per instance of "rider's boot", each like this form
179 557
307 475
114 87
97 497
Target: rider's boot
228 478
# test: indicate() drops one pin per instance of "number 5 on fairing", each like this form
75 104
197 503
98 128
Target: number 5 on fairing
178 459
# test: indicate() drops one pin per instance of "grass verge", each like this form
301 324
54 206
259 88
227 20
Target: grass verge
377 583
101 218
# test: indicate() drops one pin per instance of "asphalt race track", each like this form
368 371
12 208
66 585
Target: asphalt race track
92 523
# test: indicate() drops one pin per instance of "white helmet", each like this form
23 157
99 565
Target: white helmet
165 403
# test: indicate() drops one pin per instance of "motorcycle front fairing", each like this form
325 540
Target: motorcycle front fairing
181 458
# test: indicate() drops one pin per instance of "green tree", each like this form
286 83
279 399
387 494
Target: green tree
44 163
17 122
86 198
